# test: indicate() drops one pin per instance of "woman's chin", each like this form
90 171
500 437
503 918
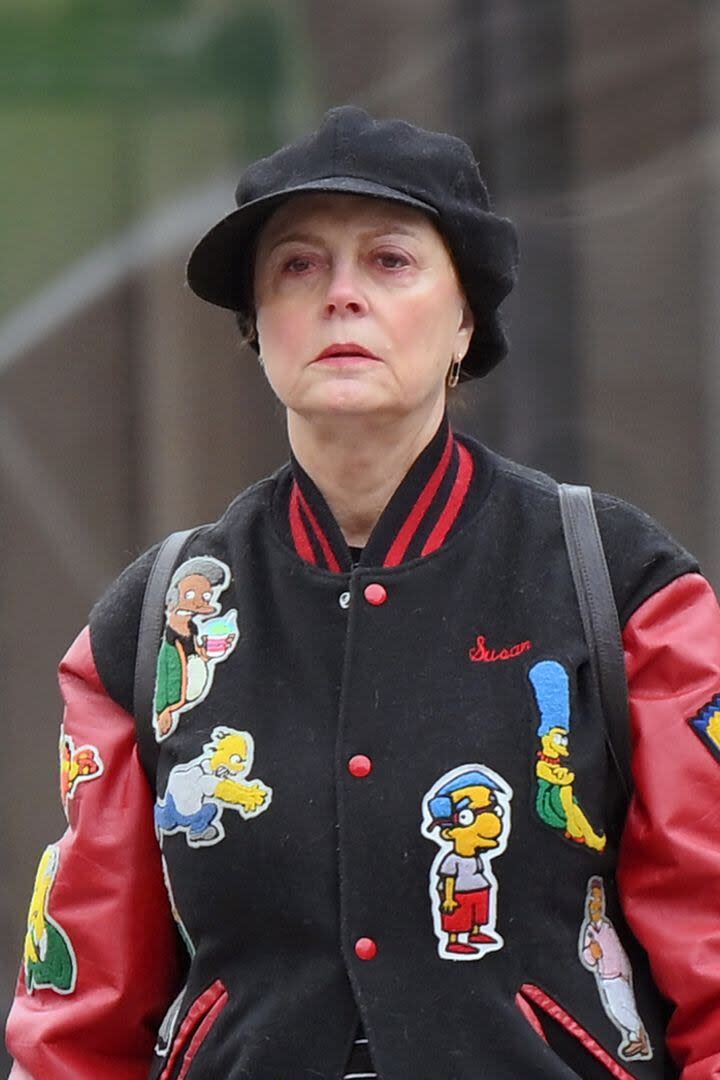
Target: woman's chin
347 397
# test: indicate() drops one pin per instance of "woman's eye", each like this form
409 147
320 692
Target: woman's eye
297 264
391 260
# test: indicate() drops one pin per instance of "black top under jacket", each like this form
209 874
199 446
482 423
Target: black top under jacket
381 724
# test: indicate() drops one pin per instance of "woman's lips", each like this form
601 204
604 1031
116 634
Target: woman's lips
345 353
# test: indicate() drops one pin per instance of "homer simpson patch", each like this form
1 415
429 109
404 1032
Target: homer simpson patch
601 952
197 637
555 800
77 764
467 812
48 957
706 725
198 791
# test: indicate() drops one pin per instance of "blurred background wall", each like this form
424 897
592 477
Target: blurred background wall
127 408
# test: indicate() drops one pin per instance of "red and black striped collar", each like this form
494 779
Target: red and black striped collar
440 492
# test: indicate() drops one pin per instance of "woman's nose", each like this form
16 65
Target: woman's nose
345 294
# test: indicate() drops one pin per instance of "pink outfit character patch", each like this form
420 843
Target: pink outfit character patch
601 952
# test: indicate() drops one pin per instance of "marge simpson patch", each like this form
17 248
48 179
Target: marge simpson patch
555 800
467 813
706 725
197 637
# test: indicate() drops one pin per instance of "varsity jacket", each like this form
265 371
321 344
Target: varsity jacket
383 791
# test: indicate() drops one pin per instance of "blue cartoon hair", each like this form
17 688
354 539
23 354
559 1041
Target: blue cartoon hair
552 692
441 806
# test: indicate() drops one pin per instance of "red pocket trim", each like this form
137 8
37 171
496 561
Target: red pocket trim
197 1016
201 1034
529 1013
541 999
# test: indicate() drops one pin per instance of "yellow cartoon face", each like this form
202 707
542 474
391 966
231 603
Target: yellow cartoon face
230 756
555 742
478 820
38 904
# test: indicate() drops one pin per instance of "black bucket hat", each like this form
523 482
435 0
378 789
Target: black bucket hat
353 153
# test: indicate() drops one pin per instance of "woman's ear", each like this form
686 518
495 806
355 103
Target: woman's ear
466 326
467 321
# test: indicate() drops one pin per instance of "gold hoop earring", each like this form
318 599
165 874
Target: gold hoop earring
454 374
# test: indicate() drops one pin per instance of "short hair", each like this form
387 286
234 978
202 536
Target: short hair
204 565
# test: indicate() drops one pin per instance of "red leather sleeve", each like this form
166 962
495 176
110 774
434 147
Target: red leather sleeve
669 868
107 906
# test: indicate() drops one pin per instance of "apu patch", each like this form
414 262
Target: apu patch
706 725
76 765
198 791
467 812
196 638
555 800
48 957
601 952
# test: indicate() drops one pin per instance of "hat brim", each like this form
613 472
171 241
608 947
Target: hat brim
218 267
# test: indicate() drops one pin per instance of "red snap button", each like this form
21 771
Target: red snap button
375 594
360 765
365 948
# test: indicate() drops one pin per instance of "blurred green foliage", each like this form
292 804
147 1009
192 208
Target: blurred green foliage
172 49
109 109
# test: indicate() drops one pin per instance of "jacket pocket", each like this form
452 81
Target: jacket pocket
195 1028
537 1007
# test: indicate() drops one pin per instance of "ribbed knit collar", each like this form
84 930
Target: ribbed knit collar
442 488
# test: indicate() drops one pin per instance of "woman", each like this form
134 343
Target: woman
385 827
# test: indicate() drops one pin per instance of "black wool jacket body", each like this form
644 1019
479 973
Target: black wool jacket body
383 792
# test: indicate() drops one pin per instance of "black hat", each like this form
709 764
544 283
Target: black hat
353 153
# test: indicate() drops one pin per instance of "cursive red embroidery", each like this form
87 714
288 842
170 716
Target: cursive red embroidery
482 652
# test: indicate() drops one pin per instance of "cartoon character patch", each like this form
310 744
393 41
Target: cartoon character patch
467 813
76 765
198 791
166 1031
602 953
706 725
48 956
555 800
197 637
182 929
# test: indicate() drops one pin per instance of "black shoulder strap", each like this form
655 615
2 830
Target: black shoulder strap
600 621
152 622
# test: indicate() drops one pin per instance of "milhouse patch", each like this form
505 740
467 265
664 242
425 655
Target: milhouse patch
77 764
555 800
467 812
48 957
601 952
706 725
198 791
197 637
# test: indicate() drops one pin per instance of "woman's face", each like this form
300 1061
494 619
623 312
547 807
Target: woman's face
348 270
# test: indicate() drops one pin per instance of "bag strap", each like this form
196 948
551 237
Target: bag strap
600 621
152 624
